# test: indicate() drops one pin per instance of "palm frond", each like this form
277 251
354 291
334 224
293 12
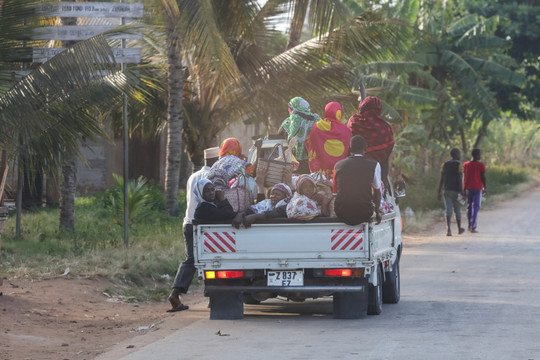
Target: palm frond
204 44
496 71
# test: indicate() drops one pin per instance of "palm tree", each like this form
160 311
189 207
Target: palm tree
49 111
229 76
175 82
446 73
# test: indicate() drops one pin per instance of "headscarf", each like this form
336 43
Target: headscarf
369 124
266 204
230 146
285 189
199 189
219 177
302 179
333 111
298 124
301 206
328 141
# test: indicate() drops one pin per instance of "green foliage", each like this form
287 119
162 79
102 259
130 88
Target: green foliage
500 178
95 248
422 192
512 141
141 200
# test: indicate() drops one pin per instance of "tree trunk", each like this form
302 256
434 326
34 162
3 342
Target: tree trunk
481 133
297 23
69 168
67 193
174 115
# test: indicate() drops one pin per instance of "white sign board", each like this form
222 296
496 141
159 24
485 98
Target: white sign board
121 55
97 9
75 32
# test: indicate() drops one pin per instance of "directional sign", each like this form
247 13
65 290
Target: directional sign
121 55
97 9
74 32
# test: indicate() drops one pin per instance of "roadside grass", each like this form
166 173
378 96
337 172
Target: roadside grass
145 270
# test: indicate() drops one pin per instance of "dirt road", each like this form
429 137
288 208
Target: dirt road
473 296
469 297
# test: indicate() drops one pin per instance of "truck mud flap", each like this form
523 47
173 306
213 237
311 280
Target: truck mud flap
350 305
226 306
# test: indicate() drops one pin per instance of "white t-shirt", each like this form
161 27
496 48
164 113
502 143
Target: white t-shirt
191 203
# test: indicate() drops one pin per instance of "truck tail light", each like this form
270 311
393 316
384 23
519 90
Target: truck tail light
344 272
224 274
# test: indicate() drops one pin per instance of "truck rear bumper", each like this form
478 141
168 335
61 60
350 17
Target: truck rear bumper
283 289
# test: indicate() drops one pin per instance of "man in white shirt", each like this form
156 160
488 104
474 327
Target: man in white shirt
187 270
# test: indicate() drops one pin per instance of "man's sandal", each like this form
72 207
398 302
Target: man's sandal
180 307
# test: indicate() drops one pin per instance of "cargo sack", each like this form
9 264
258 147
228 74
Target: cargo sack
240 197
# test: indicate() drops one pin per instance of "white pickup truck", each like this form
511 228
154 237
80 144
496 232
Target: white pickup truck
357 265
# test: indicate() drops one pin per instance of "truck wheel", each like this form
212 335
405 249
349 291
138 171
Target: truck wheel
250 300
391 287
375 295
226 306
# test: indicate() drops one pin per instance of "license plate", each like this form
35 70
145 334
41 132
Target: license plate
286 278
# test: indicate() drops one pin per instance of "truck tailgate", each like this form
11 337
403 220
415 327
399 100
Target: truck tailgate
288 245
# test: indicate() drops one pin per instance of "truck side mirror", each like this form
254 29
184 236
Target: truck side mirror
399 189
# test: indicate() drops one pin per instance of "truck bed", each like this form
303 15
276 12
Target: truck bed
290 244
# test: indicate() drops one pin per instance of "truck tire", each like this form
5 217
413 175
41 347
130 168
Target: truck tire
226 306
391 287
375 295
250 300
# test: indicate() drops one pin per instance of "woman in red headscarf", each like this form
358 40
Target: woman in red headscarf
378 133
230 151
328 141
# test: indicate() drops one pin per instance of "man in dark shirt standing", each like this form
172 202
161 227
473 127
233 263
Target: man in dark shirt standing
452 183
357 185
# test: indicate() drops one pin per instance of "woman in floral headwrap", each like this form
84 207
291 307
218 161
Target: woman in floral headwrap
328 141
273 207
229 159
378 133
308 202
299 124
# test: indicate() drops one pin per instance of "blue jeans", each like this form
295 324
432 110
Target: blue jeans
474 200
185 273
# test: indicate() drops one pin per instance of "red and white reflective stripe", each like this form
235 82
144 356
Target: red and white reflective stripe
351 239
219 242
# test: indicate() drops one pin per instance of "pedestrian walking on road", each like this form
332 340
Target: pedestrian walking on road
475 187
452 184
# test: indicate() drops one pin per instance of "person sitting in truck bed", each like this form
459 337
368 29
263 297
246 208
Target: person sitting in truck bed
273 207
213 206
357 183
308 202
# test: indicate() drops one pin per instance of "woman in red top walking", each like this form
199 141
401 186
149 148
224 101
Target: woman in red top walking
475 186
